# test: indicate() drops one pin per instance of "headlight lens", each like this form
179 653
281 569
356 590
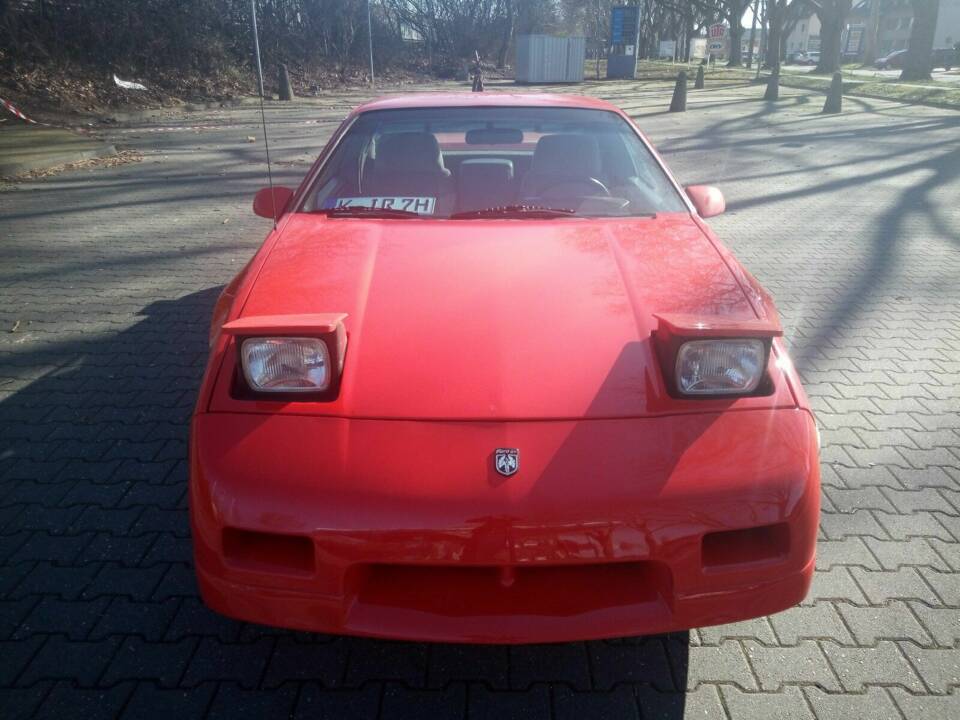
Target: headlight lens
719 367
286 364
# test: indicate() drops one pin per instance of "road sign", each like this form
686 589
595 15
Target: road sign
854 39
624 22
668 48
718 31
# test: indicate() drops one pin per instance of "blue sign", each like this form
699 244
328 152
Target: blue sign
623 24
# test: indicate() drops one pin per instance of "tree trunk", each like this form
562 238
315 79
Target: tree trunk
775 24
916 65
526 17
871 34
833 16
764 26
506 37
753 32
830 34
736 35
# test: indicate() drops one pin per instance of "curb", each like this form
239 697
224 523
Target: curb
10 169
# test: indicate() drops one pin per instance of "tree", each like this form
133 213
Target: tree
734 11
916 65
776 16
871 34
701 12
833 16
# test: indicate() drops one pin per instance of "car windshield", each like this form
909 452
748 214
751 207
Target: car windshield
486 162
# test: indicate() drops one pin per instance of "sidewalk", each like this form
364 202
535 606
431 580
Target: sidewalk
28 147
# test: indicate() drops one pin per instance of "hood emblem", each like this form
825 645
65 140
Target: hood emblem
507 461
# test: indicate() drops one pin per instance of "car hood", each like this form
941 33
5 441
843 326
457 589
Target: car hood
497 319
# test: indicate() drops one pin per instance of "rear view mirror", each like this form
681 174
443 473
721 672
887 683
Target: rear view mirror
494 136
272 206
707 200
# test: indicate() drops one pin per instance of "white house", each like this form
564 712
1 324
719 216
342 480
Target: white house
948 24
805 36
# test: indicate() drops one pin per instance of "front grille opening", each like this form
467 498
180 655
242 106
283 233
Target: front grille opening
736 547
463 591
268 552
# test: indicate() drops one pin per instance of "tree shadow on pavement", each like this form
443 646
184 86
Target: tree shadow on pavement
99 610
885 250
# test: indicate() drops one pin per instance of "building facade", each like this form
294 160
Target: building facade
948 24
894 22
805 36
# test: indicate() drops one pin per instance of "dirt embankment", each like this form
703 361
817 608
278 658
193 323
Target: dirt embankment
81 95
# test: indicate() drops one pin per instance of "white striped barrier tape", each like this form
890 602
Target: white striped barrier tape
16 111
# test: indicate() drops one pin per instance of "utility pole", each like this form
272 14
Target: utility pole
370 42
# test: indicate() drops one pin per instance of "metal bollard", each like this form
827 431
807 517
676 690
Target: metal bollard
773 85
698 83
286 89
679 101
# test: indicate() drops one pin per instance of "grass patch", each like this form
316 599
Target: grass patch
653 70
925 93
942 96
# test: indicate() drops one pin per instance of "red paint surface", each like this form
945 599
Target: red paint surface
466 336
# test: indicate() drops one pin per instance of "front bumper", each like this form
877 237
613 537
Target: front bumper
403 529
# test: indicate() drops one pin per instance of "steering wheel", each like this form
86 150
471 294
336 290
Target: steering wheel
563 188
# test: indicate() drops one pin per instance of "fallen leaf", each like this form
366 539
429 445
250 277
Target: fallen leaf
121 158
226 220
251 139
16 326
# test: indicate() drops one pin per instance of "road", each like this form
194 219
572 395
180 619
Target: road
107 278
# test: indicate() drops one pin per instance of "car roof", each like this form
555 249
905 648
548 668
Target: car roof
495 99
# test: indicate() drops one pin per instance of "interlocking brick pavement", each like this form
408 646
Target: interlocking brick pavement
851 221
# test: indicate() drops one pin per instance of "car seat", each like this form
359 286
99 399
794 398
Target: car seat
485 183
409 164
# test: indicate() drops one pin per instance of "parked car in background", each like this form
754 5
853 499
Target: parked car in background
798 58
813 58
945 58
893 60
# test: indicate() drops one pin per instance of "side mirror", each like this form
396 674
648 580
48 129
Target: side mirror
273 206
707 200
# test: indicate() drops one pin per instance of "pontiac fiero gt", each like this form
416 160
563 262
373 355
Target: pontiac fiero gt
491 378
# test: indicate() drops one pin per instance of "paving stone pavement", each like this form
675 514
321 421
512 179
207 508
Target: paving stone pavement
109 275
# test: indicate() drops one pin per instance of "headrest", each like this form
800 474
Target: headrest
486 170
409 152
567 154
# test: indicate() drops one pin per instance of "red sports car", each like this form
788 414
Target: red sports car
493 379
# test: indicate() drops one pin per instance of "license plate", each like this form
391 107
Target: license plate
419 205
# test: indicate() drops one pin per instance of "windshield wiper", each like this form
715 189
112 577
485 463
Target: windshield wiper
370 212
514 211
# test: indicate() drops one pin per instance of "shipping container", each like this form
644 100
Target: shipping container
549 59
